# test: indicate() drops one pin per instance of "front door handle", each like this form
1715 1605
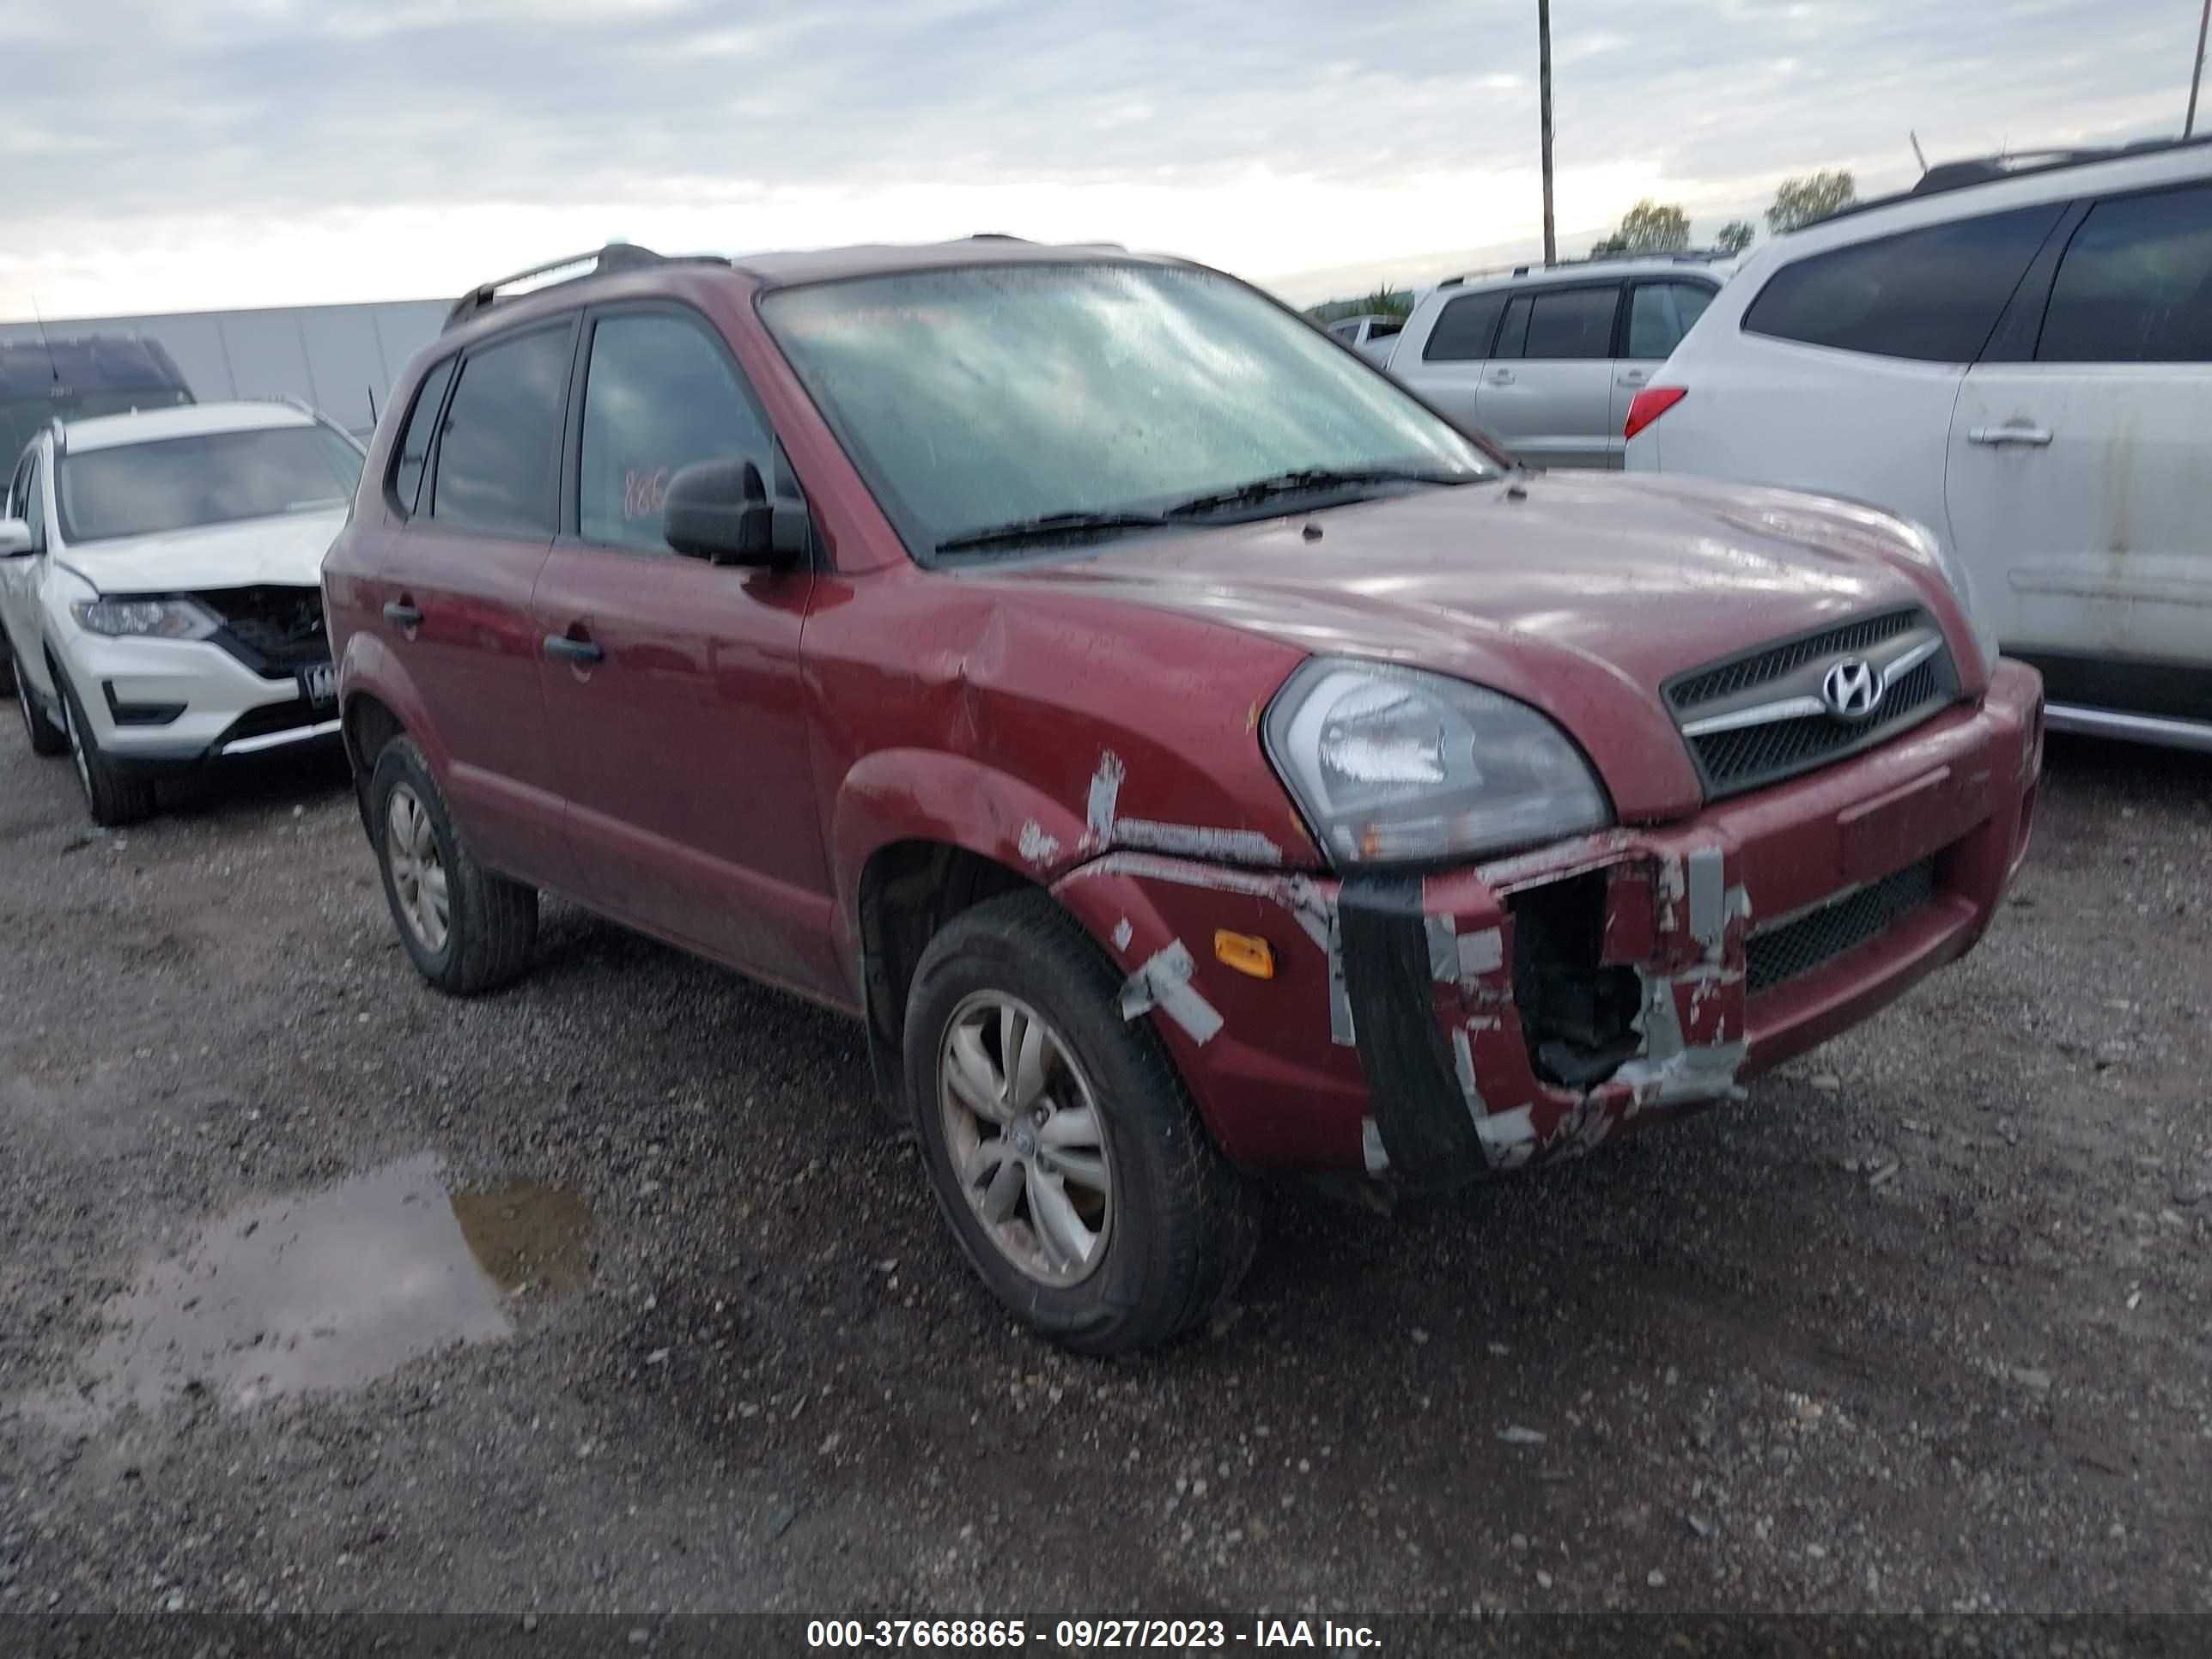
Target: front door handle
401 614
576 651
2034 436
1501 377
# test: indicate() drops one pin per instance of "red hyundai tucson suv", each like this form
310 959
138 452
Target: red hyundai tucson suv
1187 752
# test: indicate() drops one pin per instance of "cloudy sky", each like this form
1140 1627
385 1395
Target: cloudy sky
175 155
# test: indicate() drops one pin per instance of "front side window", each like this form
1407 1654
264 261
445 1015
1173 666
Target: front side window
33 505
499 450
2136 285
1464 329
208 478
995 394
659 395
415 437
1932 295
1660 314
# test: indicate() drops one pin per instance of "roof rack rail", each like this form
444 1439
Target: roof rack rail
1974 170
598 262
1693 256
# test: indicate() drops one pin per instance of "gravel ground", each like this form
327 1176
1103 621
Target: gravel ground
1924 1324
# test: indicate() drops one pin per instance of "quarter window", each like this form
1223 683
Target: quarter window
415 438
1932 295
2136 285
1464 329
499 444
660 394
1660 314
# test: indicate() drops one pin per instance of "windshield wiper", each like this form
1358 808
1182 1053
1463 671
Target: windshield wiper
1049 527
1307 480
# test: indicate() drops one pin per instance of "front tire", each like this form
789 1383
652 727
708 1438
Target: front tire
113 799
1061 1145
466 930
46 738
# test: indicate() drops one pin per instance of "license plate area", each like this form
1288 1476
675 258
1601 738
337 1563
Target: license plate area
318 685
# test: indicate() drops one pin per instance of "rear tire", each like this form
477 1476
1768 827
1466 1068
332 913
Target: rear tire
46 738
1166 1235
113 797
466 930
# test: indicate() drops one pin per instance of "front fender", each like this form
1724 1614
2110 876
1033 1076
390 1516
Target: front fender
922 794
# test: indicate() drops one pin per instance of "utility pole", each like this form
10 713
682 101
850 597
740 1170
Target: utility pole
1544 99
2196 73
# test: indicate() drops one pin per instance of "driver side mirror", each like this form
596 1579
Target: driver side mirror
719 511
15 539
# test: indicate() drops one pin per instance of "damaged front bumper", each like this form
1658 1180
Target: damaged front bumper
1432 1028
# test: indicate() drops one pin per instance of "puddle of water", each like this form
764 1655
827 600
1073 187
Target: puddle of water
328 1290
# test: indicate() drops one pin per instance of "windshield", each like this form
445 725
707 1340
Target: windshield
995 394
216 477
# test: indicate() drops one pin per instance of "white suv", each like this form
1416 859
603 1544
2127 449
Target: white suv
1546 358
161 587
2017 353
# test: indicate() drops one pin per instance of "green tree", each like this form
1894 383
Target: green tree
1734 236
1800 201
1647 227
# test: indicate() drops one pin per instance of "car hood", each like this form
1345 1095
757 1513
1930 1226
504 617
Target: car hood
284 551
1578 594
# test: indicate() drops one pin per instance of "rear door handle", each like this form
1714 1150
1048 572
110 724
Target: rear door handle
400 614
576 651
2034 436
1635 377
1501 377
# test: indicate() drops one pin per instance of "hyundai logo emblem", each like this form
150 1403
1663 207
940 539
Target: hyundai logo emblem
1851 689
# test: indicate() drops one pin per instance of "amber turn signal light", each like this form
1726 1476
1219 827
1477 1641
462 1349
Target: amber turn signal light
1245 953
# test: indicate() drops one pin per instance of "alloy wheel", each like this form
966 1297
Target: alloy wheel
418 873
1026 1138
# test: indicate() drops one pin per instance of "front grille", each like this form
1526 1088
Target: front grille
1744 758
1821 935
275 631
1753 754
1708 685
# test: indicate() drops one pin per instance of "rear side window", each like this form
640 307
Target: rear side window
1463 329
34 501
414 439
1660 314
660 395
1932 295
1384 328
500 447
1563 323
2136 285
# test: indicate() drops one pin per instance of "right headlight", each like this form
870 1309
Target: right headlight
147 618
1397 765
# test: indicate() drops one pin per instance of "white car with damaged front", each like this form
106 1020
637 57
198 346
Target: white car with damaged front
161 589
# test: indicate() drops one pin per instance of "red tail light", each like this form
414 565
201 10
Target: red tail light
1649 404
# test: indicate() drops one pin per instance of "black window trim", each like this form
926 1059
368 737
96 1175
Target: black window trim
1628 304
568 531
569 320
391 464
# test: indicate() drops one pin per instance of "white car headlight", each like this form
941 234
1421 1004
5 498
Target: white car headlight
154 619
1395 764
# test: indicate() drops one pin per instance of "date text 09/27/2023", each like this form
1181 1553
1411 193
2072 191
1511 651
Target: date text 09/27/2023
1176 1635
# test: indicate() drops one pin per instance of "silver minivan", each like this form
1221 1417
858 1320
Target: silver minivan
1546 359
